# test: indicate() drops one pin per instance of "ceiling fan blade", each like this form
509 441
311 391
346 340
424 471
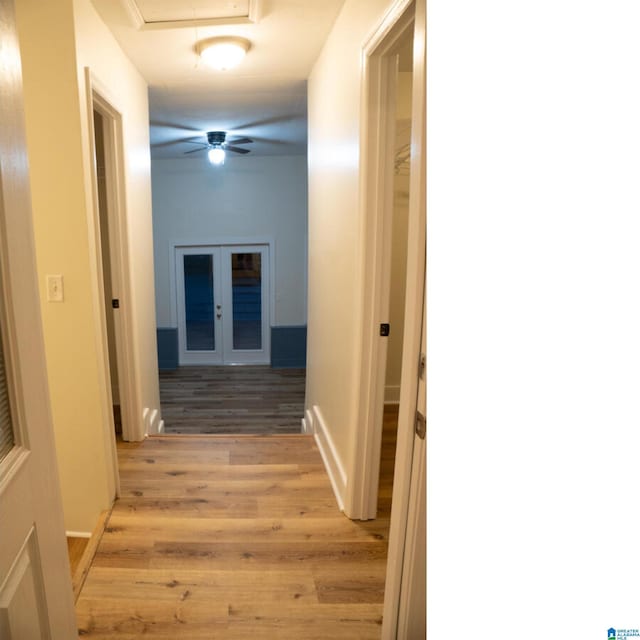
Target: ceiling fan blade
172 125
196 150
169 143
235 149
240 141
269 120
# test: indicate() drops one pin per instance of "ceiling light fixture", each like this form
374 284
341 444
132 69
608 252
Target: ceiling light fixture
223 52
216 155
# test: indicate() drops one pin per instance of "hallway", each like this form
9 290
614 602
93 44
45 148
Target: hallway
233 537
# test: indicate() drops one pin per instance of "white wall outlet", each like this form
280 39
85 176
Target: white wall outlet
55 289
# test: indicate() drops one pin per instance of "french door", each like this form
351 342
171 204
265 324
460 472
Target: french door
223 304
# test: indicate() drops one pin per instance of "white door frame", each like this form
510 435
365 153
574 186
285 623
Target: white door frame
36 597
133 428
377 135
224 352
405 515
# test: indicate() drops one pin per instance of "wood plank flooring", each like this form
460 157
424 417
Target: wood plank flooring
76 547
232 400
387 459
234 538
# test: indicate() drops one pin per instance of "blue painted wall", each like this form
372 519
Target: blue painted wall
167 348
288 347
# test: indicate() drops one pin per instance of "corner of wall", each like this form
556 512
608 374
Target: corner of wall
392 394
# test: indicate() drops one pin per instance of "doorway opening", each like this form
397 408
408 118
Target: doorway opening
397 274
110 235
105 245
223 381
387 120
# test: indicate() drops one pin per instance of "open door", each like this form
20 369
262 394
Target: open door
402 27
412 619
36 599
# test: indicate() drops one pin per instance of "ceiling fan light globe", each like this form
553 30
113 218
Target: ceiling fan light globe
216 156
224 53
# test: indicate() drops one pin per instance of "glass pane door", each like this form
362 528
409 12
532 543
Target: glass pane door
245 277
246 291
199 305
198 302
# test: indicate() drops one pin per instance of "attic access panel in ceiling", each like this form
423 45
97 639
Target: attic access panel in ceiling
158 14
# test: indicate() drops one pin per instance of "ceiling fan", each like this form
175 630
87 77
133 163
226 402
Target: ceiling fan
217 146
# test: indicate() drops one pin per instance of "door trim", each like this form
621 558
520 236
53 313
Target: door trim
415 322
377 137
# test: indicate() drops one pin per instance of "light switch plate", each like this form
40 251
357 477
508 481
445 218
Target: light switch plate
55 288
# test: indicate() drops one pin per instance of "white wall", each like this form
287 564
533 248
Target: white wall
334 223
68 35
247 197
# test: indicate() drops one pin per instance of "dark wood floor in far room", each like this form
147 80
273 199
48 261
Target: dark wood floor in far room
255 400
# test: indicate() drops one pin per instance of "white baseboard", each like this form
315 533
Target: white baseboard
392 394
151 421
78 534
145 420
307 423
154 421
330 457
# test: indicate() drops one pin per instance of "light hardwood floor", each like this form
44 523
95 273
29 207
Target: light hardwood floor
76 547
232 400
235 538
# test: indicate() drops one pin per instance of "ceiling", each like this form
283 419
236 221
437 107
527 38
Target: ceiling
264 98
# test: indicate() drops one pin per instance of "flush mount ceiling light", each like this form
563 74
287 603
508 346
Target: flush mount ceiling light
224 52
